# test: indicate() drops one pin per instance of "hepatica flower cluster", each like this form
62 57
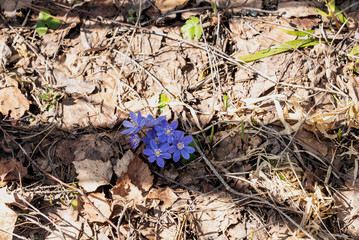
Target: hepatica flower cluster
162 139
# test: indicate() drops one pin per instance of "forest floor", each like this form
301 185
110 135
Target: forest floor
276 132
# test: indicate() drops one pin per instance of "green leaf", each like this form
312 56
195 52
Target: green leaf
355 52
41 28
280 48
46 21
53 23
324 14
44 96
164 100
44 15
74 204
299 33
333 9
192 29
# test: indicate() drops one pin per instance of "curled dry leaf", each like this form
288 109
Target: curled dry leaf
100 201
93 173
166 195
13 102
8 216
11 170
126 192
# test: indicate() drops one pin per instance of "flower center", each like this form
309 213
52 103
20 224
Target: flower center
180 145
169 131
158 152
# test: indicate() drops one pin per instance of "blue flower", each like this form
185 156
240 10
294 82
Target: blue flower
134 140
151 134
179 146
152 122
157 153
138 122
166 131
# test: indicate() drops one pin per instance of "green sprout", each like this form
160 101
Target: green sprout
225 102
192 29
50 98
339 134
164 100
334 13
133 15
45 22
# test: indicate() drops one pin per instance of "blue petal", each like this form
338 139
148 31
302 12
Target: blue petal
128 124
189 149
172 149
160 162
153 144
139 117
130 130
187 140
166 155
152 158
174 125
176 156
164 147
162 138
148 152
178 134
133 116
151 133
159 130
160 119
184 154
135 144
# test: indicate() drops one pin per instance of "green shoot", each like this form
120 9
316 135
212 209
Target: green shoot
225 102
192 29
164 100
50 98
339 134
45 22
211 136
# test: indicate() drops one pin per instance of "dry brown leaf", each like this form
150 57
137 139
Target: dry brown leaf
140 174
296 9
126 192
100 201
70 223
5 55
348 204
166 195
9 7
13 102
11 170
168 5
212 211
123 163
80 112
8 216
93 173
